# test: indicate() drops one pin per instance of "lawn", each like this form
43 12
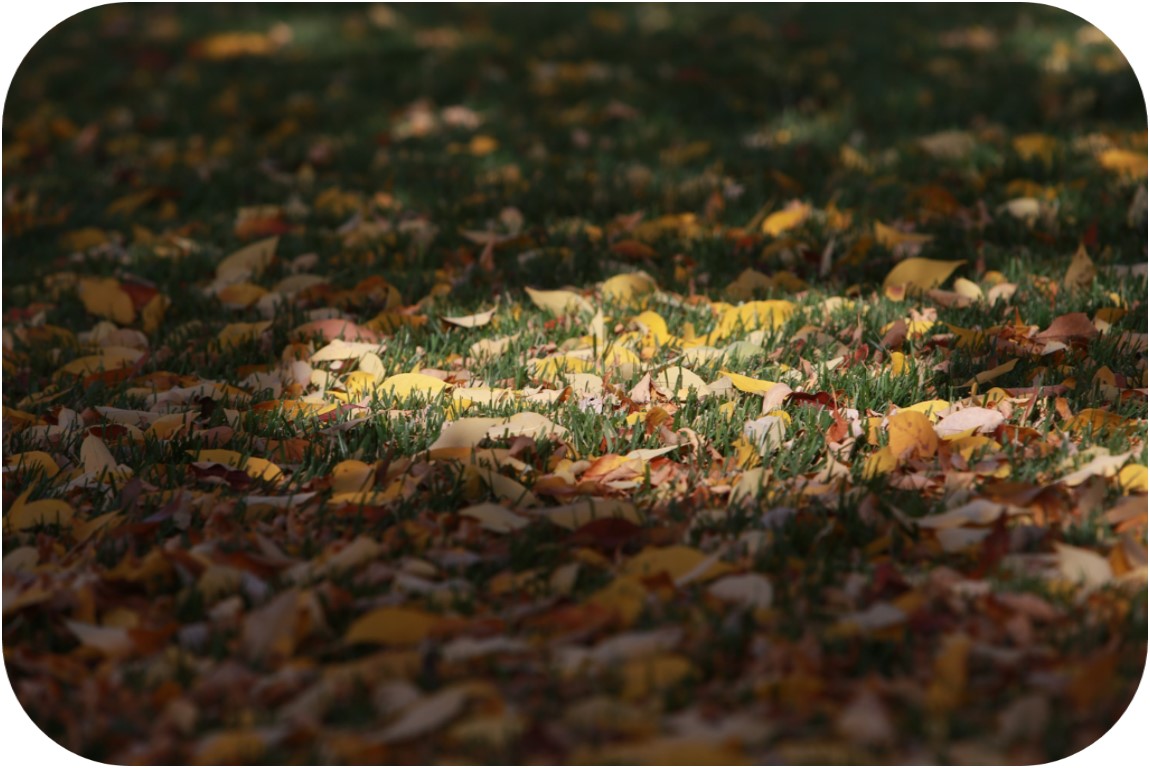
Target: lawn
617 384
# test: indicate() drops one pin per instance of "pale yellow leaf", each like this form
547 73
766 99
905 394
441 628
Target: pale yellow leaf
476 320
249 261
559 302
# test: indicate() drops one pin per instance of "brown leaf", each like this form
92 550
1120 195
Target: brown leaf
1068 327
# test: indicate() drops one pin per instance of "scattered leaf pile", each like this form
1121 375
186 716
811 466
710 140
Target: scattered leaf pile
383 386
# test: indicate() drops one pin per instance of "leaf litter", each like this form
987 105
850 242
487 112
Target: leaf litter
731 466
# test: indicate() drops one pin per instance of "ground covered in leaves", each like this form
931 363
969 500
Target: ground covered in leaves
638 384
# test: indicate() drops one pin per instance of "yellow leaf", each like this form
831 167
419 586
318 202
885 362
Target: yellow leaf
255 467
1132 479
249 261
26 514
30 461
628 287
645 675
552 367
481 145
240 295
625 596
558 302
911 433
1080 274
351 475
676 561
881 462
165 427
748 384
234 334
152 313
477 320
893 238
392 625
788 218
404 385
968 289
1030 146
920 274
751 316
679 382
103 297
898 365
1124 162
1095 419
83 239
109 359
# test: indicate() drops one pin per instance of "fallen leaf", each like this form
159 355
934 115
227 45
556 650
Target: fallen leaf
918 274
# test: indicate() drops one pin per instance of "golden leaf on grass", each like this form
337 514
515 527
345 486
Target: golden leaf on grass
752 316
625 596
677 561
103 297
253 465
249 261
911 434
918 274
1132 479
1097 420
786 219
880 462
235 334
898 364
152 313
404 385
892 238
508 489
968 289
478 320
558 302
628 287
26 514
351 475
575 514
1030 146
679 382
1081 272
393 625
240 295
748 384
1124 162
32 461
109 359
